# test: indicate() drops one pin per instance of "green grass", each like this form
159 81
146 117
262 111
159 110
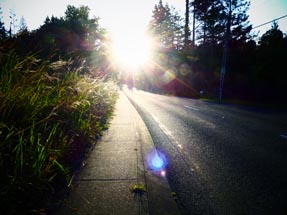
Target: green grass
49 116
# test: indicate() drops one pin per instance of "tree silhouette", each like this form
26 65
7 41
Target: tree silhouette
186 26
166 27
75 34
22 26
270 63
2 27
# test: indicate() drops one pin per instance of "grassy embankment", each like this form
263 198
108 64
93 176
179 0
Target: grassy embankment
50 114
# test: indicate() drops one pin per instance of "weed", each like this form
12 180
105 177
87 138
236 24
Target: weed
48 118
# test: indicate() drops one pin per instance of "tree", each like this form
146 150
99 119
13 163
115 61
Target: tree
237 30
13 25
236 19
74 34
273 37
270 63
172 71
2 27
221 18
223 30
186 26
209 15
166 27
22 26
87 29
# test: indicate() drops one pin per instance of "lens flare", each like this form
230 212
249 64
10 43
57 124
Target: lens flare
163 173
157 162
131 50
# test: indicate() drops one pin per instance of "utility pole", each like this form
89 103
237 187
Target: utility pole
225 49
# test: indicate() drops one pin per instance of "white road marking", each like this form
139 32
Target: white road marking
283 136
192 108
164 129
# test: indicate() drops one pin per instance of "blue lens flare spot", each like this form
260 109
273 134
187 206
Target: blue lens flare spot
157 161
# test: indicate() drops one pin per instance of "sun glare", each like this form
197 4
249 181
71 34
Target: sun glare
131 50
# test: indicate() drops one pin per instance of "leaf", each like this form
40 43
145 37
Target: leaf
173 194
3 125
138 189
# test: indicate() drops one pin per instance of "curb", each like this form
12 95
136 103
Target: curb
161 199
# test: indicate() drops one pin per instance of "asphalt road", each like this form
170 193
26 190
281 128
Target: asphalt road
221 159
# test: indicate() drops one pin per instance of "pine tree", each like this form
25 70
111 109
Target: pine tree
2 27
186 26
166 27
209 14
13 25
222 18
237 31
239 23
22 26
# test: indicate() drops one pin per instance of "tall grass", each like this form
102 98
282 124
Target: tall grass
48 116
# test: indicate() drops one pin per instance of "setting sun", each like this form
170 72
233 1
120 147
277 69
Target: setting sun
131 50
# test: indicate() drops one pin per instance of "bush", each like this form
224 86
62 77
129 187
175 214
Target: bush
48 118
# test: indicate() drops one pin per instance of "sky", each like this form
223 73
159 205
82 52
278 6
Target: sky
120 17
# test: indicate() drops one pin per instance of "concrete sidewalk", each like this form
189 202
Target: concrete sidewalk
116 164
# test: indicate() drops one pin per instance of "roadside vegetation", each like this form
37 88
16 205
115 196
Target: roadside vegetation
55 103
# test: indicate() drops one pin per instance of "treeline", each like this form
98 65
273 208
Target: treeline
75 36
56 99
191 64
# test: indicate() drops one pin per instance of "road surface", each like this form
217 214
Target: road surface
221 159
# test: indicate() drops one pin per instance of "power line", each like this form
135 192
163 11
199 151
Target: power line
270 21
